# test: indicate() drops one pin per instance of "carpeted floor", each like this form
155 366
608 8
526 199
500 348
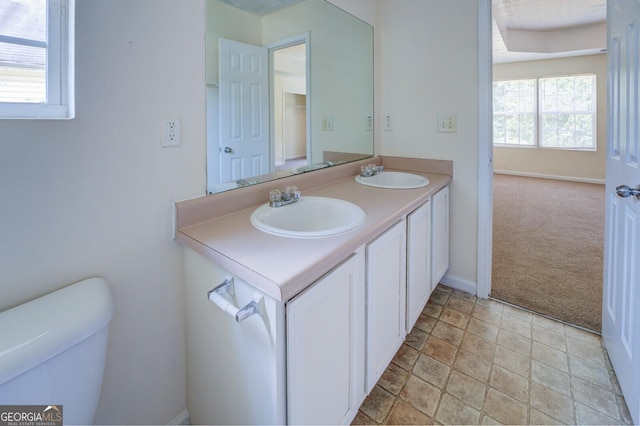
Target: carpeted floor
548 243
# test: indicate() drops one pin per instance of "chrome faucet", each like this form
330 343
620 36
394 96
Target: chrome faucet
370 170
279 198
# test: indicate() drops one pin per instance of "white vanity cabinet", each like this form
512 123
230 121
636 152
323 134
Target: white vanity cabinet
325 348
419 284
386 299
439 235
301 362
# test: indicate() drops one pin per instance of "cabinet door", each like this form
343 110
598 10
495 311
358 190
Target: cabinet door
418 262
440 236
325 348
386 299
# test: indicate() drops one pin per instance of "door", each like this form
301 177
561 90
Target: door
244 110
621 298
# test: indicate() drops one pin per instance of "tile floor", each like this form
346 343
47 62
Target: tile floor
475 361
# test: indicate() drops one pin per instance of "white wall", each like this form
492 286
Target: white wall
579 165
94 195
427 63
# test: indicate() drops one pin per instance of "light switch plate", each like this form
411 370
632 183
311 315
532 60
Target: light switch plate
447 123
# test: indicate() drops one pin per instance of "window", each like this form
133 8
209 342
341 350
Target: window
552 112
36 58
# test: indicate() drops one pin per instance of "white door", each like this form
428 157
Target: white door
621 298
244 110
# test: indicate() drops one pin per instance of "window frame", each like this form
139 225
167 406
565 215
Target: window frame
539 115
60 66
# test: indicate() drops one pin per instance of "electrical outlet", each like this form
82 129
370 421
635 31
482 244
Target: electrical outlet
369 126
447 123
388 123
327 124
171 130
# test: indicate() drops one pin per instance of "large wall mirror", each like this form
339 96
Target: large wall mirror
289 89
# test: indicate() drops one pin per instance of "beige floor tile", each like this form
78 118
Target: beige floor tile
448 333
460 305
551 377
378 404
432 371
588 416
548 355
491 304
393 379
472 365
440 350
549 337
537 417
515 342
453 412
512 361
479 361
466 389
406 357
510 383
432 309
478 346
595 397
552 403
488 420
592 373
404 414
487 315
457 294
504 408
454 317
520 314
439 295
549 324
586 351
516 325
483 329
583 335
421 395
425 323
416 339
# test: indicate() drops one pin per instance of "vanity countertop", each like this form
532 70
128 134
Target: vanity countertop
280 266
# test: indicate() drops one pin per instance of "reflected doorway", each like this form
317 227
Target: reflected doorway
289 102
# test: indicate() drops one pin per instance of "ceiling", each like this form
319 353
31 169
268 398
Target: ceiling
540 29
523 30
261 7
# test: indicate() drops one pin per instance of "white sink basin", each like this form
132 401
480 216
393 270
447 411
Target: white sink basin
310 217
394 180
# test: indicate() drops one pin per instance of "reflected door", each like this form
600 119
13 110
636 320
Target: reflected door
244 110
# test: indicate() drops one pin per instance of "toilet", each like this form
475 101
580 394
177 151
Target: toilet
53 349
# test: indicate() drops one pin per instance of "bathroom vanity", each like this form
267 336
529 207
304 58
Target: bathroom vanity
324 316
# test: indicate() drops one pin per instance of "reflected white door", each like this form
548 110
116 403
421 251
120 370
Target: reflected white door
244 110
621 298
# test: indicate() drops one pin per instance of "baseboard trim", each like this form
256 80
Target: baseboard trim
459 284
181 419
554 177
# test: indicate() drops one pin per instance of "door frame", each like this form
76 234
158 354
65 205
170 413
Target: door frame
277 45
485 150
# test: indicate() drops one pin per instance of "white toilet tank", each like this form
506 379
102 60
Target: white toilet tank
53 349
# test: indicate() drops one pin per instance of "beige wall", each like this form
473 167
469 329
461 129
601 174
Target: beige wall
94 195
580 165
427 64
